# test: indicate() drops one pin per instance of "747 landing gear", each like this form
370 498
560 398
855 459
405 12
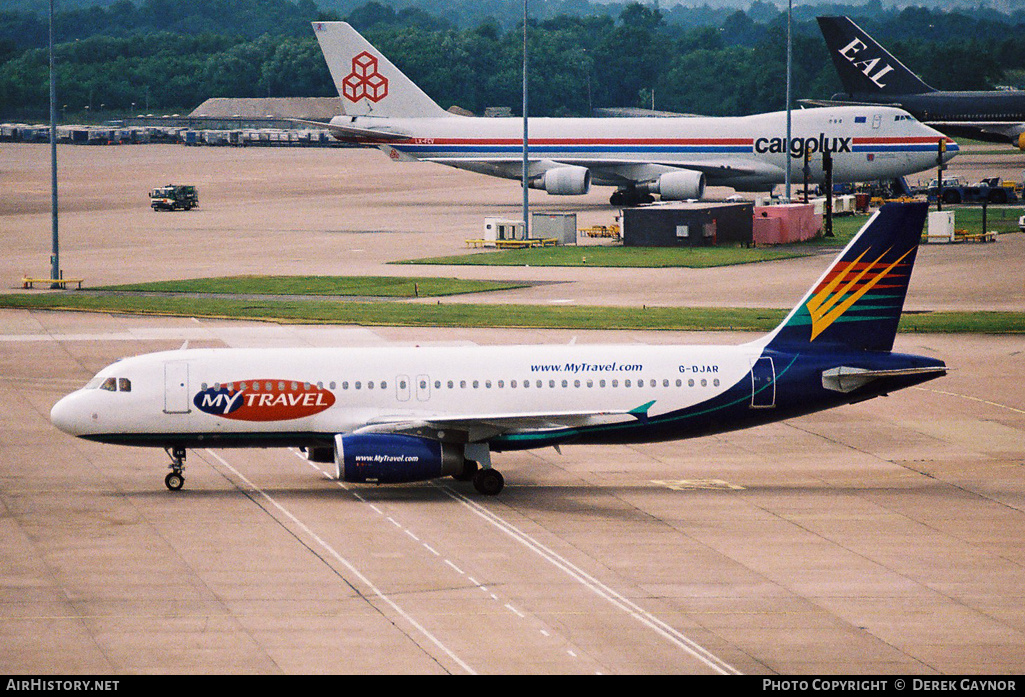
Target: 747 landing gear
175 480
630 197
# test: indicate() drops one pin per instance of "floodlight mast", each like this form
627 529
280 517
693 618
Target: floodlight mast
526 144
55 273
786 166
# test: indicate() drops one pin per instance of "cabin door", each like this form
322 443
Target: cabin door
763 384
176 387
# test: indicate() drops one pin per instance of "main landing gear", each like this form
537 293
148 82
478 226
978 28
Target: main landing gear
487 481
176 479
630 197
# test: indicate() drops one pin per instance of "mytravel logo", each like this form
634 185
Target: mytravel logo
264 400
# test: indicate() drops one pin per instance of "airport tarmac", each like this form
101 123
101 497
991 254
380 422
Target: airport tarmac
879 538
349 212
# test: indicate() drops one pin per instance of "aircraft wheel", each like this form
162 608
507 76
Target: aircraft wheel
488 482
174 481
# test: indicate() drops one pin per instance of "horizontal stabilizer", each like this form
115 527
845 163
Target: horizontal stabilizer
846 379
353 133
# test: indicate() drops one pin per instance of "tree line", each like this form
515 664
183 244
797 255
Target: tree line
163 56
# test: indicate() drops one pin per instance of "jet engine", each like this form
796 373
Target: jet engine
678 186
564 181
385 458
1021 140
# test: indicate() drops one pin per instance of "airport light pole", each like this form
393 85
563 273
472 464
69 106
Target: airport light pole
55 273
526 144
790 10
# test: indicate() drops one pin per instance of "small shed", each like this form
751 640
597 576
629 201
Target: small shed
793 222
700 224
561 227
503 229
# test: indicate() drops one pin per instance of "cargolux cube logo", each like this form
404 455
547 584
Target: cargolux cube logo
264 400
364 81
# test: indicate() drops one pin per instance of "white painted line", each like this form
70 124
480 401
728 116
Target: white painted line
664 630
347 564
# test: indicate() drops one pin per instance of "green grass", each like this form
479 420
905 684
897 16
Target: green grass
619 256
1002 220
388 313
370 286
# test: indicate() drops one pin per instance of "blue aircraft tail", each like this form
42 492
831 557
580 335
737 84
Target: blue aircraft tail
857 302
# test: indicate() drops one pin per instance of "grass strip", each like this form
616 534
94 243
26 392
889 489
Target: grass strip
484 315
618 257
371 286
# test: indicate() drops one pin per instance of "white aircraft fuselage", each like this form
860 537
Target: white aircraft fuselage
747 153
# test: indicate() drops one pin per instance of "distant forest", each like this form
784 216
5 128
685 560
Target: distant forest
168 56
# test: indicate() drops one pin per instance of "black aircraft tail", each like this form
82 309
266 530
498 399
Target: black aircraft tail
864 66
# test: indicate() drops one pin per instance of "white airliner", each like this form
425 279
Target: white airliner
672 157
390 415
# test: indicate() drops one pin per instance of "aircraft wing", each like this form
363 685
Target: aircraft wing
847 102
477 427
991 131
611 170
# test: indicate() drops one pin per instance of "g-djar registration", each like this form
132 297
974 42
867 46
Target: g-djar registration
405 414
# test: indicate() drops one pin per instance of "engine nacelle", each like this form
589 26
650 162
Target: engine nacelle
384 458
564 181
678 186
1021 140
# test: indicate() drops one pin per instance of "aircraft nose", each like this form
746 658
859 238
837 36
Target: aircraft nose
68 414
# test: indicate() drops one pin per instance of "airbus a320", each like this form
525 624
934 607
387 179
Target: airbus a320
401 414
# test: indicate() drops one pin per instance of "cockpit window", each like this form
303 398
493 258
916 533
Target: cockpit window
110 384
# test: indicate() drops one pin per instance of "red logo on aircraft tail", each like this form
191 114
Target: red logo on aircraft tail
364 82
264 400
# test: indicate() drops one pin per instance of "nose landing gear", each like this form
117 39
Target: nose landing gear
176 479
